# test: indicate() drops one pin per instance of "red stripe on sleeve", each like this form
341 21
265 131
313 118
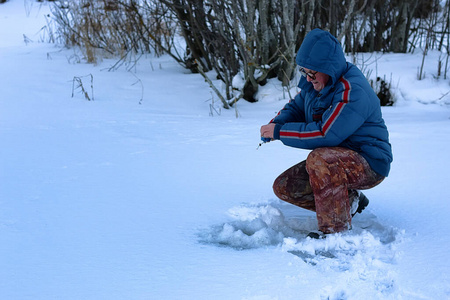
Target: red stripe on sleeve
329 122
340 106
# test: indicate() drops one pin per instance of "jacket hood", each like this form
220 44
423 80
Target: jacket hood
321 51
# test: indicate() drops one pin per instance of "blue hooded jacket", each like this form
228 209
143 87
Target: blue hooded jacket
345 113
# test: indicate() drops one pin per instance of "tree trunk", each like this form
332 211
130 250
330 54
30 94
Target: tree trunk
288 39
399 40
263 8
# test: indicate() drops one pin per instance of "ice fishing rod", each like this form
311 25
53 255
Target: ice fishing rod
263 141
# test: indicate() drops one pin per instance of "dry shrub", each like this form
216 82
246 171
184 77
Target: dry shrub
105 28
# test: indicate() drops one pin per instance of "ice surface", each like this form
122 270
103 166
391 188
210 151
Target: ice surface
112 199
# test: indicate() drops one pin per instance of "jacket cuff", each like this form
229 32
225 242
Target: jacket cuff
276 131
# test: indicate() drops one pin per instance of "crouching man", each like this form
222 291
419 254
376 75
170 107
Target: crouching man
338 116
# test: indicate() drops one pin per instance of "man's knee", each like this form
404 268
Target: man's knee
325 170
277 188
292 183
315 161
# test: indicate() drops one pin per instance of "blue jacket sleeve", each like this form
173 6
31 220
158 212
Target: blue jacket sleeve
292 111
348 111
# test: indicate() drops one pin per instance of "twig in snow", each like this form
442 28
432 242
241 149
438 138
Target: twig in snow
79 85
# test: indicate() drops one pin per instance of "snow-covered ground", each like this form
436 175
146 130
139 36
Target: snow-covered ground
167 199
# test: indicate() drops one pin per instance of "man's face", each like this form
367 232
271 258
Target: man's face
317 79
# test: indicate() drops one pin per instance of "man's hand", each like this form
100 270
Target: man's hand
267 130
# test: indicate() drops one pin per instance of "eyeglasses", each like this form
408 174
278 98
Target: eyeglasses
309 74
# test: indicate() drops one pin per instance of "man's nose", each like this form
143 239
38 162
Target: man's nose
309 79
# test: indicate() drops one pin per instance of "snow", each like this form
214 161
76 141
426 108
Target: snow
169 199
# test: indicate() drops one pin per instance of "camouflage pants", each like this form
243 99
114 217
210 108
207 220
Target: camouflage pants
323 183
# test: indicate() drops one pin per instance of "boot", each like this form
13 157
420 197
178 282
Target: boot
316 235
359 202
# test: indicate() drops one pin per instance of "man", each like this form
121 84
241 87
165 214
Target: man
338 116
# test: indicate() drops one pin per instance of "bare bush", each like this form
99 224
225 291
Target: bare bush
114 28
254 39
